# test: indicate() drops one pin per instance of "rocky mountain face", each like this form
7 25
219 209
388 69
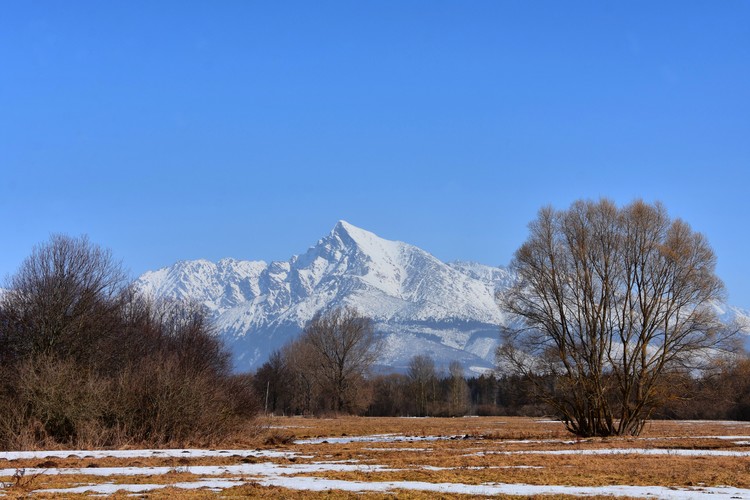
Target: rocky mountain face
419 304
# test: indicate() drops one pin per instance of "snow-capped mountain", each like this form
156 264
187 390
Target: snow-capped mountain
419 304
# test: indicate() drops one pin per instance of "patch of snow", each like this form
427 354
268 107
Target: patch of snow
260 469
397 449
173 453
319 484
373 438
727 438
622 451
112 488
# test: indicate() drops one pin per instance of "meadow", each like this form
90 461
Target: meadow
347 457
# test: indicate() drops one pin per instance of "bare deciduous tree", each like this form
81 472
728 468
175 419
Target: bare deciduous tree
343 344
303 390
65 298
611 300
458 390
423 379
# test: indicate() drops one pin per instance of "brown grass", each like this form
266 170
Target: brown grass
478 454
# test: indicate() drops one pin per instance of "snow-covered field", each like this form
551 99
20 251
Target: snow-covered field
701 462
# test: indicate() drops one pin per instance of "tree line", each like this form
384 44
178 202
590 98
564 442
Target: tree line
721 393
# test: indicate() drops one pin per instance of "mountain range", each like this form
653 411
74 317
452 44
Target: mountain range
419 304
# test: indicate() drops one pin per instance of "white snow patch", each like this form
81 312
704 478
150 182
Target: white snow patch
318 484
621 451
374 438
397 449
173 453
111 488
261 469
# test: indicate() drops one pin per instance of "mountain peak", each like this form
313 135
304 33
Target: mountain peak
352 236
343 228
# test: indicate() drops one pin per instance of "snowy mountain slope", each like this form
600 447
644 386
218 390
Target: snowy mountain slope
419 303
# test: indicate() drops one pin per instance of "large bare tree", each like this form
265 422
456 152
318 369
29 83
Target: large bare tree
344 346
611 300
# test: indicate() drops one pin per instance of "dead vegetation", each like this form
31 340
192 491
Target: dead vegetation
469 451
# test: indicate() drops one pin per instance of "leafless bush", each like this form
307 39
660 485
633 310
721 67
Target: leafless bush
65 299
53 401
87 362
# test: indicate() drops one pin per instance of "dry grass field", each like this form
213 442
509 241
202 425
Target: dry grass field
407 457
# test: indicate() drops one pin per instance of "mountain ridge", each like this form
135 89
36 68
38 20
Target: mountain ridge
419 304
416 300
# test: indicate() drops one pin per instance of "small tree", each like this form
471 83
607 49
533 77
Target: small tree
458 390
301 362
423 379
343 346
611 300
273 382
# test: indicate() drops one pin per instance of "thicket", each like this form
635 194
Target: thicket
87 362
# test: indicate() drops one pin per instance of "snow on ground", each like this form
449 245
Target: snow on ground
319 484
400 438
374 438
476 467
287 475
621 451
397 449
262 469
176 453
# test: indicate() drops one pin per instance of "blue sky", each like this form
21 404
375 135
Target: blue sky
182 130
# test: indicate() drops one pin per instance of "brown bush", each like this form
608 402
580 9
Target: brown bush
158 401
86 362
52 401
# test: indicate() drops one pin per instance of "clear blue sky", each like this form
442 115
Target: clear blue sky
186 129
